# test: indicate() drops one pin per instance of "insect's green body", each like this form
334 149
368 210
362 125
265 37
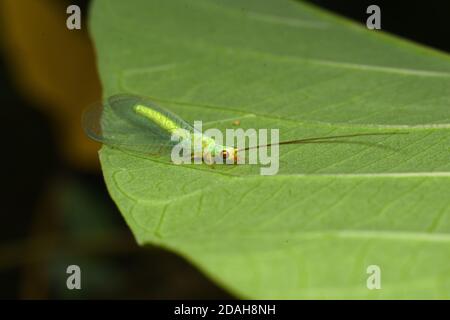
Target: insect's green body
135 123
209 150
163 121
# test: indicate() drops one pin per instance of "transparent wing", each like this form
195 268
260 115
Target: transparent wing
116 124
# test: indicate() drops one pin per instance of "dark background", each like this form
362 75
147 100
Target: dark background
56 210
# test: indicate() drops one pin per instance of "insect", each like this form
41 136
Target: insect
136 123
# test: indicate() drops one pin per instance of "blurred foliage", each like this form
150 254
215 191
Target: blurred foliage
57 213
76 223
55 68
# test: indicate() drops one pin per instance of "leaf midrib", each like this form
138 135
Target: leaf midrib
302 235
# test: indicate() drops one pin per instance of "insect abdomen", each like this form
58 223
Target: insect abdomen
157 117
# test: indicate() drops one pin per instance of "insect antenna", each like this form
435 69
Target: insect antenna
319 139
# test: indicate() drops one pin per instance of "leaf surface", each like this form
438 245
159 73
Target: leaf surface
333 209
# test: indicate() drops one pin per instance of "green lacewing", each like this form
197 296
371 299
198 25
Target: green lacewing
136 123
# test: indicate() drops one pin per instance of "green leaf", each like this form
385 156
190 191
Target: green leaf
333 209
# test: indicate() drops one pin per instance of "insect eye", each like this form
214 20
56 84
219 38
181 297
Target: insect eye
224 154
